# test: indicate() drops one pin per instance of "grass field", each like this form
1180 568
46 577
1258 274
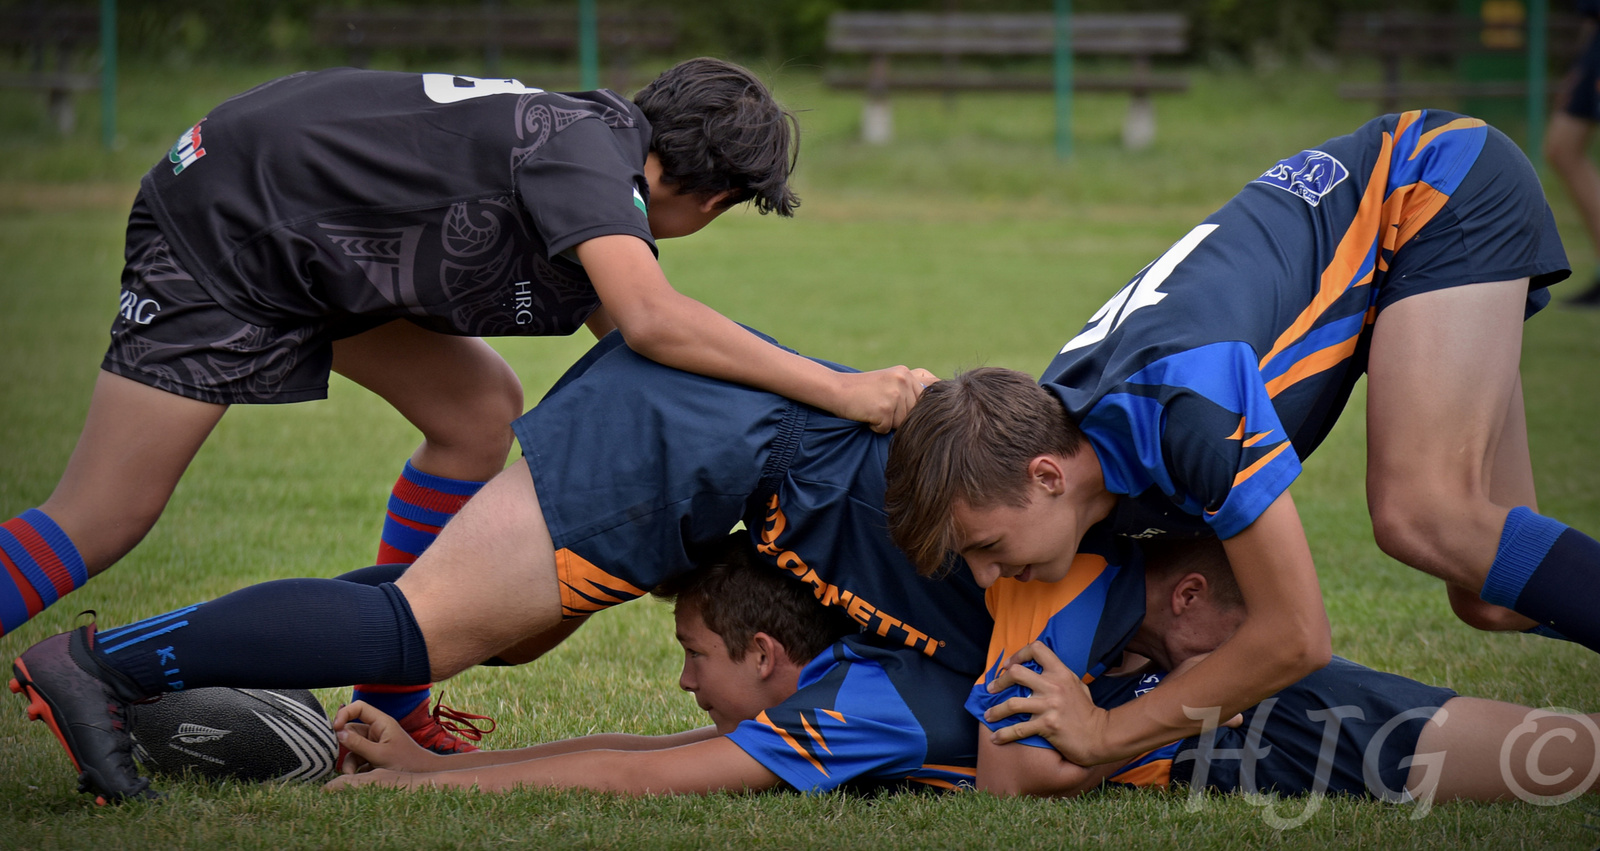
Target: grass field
965 243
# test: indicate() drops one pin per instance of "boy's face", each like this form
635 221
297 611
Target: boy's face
729 691
1032 542
672 213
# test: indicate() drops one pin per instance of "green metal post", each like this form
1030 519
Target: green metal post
1063 63
589 44
1538 33
108 73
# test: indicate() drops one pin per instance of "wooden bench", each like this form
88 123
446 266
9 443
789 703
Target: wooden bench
622 36
1394 37
59 47
949 36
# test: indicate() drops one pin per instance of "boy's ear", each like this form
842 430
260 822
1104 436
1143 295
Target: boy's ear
770 653
1190 591
1047 471
716 201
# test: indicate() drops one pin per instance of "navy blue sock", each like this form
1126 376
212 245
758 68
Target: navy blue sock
397 701
292 633
1547 632
1547 571
374 575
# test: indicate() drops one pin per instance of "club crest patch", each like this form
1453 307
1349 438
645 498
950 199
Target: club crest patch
1308 174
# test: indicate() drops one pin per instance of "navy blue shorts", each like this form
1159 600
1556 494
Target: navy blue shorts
637 464
1378 718
1497 226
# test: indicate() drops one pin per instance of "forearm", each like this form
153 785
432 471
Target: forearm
1019 769
679 332
599 742
707 766
1257 662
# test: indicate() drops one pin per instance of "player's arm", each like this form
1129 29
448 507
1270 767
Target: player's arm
1284 636
599 322
1019 769
713 765
672 329
375 740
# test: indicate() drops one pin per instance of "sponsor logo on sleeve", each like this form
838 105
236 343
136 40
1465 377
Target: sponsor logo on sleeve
1308 174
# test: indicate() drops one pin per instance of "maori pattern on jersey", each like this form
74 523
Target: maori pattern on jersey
388 258
619 117
534 126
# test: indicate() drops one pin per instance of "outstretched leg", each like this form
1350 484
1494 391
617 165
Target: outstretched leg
136 443
1485 750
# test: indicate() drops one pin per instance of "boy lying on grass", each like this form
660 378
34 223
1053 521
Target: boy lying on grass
1343 729
796 697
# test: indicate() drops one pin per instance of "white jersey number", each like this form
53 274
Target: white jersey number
452 88
1140 292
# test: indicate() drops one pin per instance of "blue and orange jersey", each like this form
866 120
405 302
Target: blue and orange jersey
1205 381
1085 618
868 715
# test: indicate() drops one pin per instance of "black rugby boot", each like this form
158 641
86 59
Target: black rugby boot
85 703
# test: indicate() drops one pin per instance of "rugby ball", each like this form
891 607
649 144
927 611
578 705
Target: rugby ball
257 735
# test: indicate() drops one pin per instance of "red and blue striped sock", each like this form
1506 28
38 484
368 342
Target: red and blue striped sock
419 506
38 566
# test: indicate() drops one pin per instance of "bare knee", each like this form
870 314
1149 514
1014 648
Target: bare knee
474 428
1440 531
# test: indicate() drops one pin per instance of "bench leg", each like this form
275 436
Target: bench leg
877 123
62 111
1139 127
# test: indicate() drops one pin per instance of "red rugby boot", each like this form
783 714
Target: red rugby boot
445 730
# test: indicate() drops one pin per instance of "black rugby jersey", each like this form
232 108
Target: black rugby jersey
443 199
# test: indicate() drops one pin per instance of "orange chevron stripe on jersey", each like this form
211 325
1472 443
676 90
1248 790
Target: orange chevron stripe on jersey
586 589
784 734
1260 462
1022 610
815 736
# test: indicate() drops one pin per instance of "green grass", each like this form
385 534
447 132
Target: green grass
964 243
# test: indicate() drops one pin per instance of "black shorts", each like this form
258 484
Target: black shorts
1583 82
171 334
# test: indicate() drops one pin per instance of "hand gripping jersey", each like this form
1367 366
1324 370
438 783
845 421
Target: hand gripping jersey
636 464
1203 383
441 199
1085 618
1343 729
867 716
